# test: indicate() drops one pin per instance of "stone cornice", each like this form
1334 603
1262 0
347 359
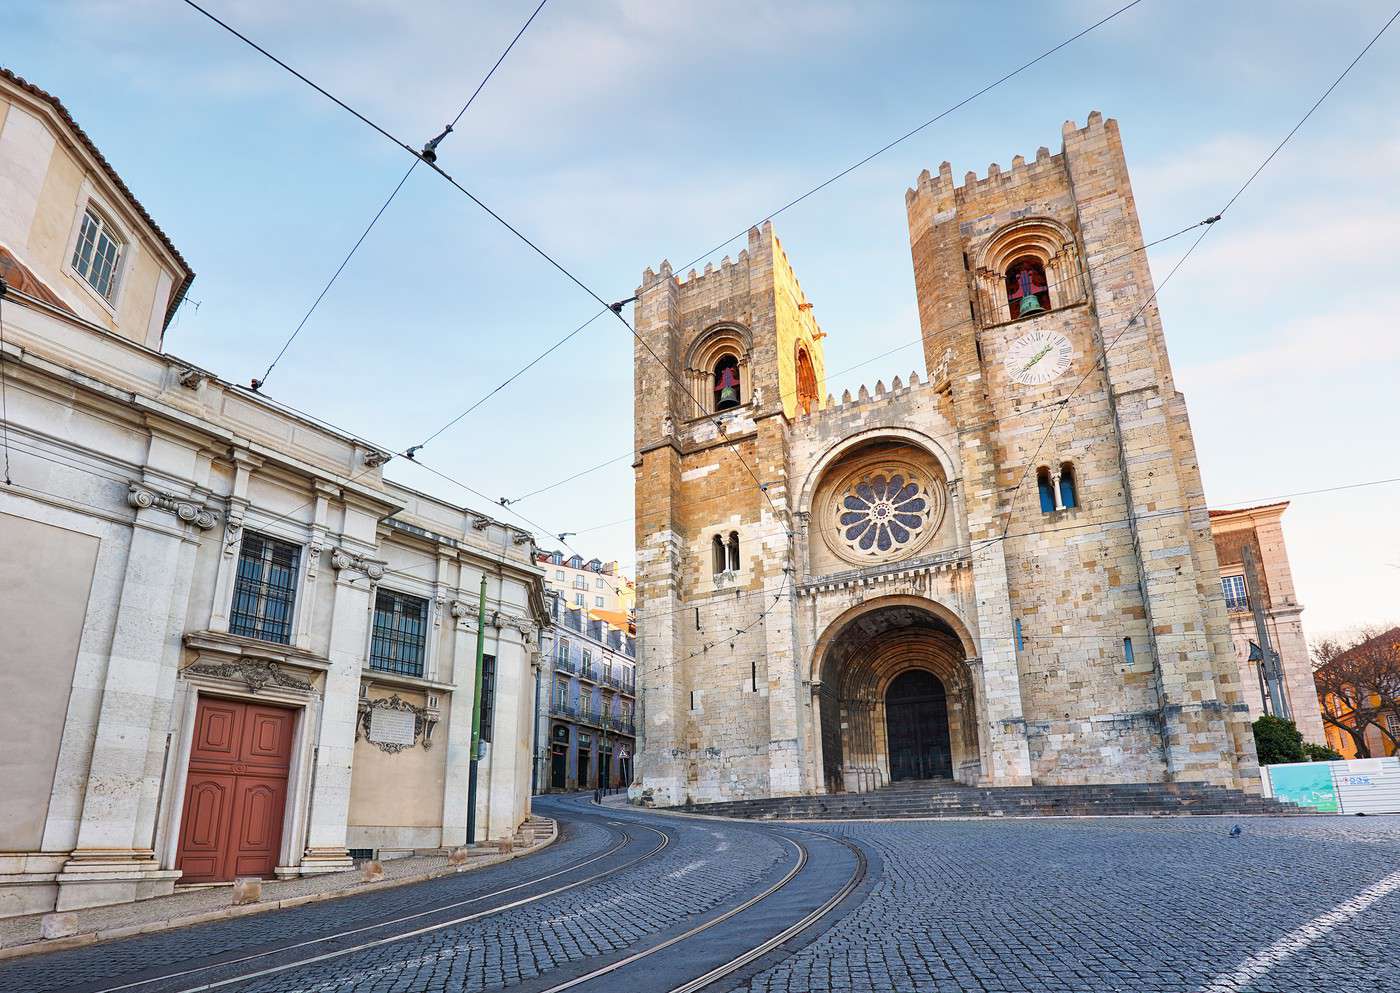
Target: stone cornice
949 561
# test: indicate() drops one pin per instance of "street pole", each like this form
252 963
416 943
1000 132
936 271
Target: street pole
1273 674
476 714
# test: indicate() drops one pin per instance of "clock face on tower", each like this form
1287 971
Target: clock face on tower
1039 357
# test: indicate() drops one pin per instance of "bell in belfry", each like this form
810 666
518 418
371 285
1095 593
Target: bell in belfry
1029 286
727 388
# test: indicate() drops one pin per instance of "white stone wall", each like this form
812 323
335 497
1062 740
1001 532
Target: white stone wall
168 475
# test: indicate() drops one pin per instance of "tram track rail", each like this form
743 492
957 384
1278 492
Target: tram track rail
168 977
753 953
624 972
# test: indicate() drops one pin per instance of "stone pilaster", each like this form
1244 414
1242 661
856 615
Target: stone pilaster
459 722
114 860
335 737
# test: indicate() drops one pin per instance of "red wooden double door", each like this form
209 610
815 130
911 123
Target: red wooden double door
236 791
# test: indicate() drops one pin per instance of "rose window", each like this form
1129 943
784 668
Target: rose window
883 513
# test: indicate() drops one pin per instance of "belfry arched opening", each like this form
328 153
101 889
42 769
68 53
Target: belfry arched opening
896 698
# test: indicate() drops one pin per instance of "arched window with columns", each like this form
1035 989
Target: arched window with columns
1027 267
1046 488
717 370
1069 489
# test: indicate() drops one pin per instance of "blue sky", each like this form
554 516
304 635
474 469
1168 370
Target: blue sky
621 132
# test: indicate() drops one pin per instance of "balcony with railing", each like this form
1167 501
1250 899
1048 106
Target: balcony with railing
564 709
622 681
562 663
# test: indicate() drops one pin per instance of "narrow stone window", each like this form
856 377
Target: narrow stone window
1069 492
727 383
1046 489
806 381
1128 651
733 551
1027 292
1020 642
720 564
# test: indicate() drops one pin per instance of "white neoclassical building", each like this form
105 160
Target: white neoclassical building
228 645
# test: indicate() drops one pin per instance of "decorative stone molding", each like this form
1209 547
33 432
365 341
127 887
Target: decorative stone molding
233 534
142 498
522 538
376 459
254 673
425 720
191 378
313 558
460 610
342 560
500 620
480 522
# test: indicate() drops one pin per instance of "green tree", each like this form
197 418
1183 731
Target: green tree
1278 740
1321 753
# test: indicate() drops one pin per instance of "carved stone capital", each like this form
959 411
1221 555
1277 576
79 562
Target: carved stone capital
460 610
143 497
341 560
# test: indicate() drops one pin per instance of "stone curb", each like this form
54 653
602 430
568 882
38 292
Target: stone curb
798 821
225 913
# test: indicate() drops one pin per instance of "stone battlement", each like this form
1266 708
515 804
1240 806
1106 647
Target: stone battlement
1020 172
864 394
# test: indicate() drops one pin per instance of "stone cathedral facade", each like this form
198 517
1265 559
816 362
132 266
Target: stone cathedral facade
1000 573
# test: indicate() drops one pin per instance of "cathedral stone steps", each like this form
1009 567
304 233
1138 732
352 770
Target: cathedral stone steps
946 799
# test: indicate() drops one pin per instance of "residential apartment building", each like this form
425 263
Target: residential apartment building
1378 654
231 645
598 588
587 713
1260 529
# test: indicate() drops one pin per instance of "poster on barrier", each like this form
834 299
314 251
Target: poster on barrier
1308 784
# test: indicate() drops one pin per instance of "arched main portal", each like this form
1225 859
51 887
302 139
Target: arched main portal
896 698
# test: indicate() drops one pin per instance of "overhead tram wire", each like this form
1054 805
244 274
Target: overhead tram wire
746 594
257 384
792 203
788 394
615 309
1210 223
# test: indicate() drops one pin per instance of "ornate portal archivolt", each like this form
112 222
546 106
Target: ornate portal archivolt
855 672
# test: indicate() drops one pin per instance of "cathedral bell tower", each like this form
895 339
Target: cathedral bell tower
1096 573
715 653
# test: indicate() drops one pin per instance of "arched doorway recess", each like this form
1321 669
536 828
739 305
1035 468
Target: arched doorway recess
895 697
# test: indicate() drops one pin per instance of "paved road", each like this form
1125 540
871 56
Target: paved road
636 901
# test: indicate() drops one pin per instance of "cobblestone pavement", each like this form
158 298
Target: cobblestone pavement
91 965
1172 905
1081 906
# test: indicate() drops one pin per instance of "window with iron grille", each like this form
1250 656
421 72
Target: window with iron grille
488 695
264 594
400 638
1392 724
1236 597
98 254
